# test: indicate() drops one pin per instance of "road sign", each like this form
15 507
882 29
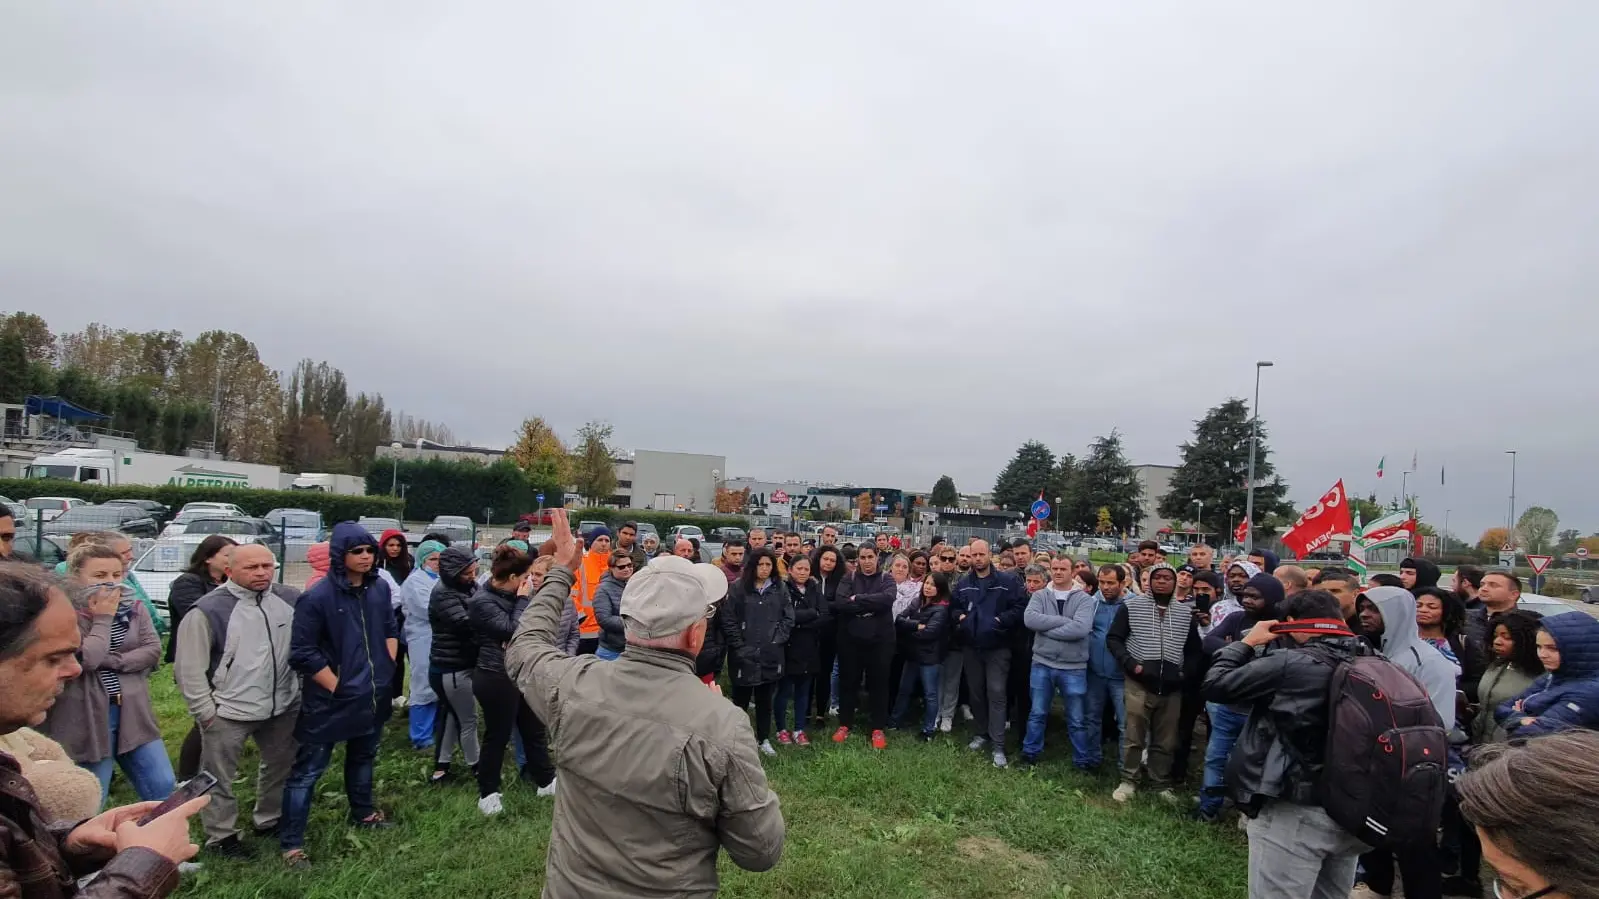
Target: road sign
779 496
1507 558
1582 552
1040 510
540 498
1539 563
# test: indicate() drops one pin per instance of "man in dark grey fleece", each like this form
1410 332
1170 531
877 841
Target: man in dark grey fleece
1061 618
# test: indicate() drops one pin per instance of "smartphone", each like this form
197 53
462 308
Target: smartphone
193 788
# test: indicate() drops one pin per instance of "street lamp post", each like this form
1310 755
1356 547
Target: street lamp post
394 482
1510 523
1199 520
1254 438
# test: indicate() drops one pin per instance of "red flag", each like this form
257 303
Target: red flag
1242 531
1314 529
1032 528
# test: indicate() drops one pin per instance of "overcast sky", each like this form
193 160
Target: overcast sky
866 242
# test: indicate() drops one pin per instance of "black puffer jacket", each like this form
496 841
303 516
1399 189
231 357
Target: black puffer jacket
494 617
811 619
757 625
714 651
926 629
449 614
1282 749
186 590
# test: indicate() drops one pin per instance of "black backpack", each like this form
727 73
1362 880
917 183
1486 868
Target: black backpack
1387 755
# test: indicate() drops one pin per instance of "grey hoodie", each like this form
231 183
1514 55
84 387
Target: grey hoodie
1401 644
1063 621
233 654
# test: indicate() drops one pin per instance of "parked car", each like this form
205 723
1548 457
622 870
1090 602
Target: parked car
47 551
159 511
458 528
645 527
157 567
259 529
687 532
188 515
584 527
724 535
19 513
129 520
376 526
300 525
52 507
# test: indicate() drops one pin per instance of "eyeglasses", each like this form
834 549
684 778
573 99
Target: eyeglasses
946 558
361 551
1499 892
628 566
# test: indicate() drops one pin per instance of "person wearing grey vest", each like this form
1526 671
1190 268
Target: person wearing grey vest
232 666
1156 642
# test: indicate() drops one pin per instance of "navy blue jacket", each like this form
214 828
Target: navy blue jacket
345 629
993 607
1569 697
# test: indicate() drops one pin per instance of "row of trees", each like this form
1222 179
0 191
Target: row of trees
1538 531
171 393
588 466
1101 492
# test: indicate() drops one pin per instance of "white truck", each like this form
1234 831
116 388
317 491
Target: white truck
345 484
111 467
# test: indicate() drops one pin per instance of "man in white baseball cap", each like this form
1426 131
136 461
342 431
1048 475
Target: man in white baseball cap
656 772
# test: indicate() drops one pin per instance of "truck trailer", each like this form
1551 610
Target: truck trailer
110 468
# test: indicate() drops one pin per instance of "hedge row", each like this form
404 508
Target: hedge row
334 507
435 487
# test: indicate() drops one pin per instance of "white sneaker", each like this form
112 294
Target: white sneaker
978 744
966 713
1361 891
999 758
398 703
767 748
1124 792
833 711
549 790
946 725
1171 797
490 805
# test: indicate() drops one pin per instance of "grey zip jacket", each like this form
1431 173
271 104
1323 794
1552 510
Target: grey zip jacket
1063 621
233 654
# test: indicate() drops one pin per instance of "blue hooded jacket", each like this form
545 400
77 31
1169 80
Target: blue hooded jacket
346 629
1568 697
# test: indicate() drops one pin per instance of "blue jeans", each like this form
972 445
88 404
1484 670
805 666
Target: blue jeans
1072 684
930 677
609 655
310 761
422 718
147 766
1101 690
518 750
1225 726
795 687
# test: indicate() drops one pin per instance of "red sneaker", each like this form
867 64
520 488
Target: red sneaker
784 738
841 735
801 739
878 740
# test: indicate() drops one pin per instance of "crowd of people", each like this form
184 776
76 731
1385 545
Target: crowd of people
1218 677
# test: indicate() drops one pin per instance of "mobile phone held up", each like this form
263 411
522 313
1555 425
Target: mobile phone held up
193 788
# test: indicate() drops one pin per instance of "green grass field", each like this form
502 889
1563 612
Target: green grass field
918 820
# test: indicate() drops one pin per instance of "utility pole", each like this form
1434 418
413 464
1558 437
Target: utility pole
1254 438
216 406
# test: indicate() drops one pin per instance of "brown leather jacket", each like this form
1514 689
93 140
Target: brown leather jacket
34 863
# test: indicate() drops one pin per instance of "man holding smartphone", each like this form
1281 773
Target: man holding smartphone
39 640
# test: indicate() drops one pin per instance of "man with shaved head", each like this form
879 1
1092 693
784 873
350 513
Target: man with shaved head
1293 578
988 605
255 696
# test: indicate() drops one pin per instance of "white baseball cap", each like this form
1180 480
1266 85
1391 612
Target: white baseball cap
669 595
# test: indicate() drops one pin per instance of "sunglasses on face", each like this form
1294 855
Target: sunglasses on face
626 566
946 558
360 551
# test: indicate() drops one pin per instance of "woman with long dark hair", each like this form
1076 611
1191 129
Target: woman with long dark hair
756 620
827 568
865 609
926 626
496 608
208 570
811 615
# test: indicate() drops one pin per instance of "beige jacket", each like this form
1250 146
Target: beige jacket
657 771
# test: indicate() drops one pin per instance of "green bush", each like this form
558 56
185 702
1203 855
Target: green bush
435 487
334 507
